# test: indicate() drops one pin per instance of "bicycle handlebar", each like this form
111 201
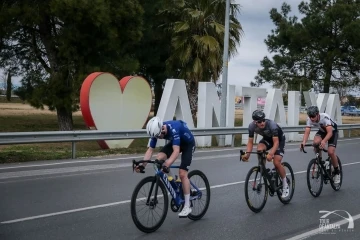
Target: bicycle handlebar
136 163
258 152
311 145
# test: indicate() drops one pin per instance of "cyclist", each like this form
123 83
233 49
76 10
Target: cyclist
327 133
181 141
273 140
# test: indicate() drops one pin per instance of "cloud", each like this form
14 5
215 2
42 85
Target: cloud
257 25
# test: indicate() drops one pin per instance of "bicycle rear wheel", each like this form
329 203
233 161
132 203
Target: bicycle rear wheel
337 186
315 178
148 206
200 200
255 186
290 178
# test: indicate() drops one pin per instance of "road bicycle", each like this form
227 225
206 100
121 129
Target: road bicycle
268 179
320 171
199 196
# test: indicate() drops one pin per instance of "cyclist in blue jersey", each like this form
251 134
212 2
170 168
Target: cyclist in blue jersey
181 140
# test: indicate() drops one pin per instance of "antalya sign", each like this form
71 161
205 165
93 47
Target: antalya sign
109 104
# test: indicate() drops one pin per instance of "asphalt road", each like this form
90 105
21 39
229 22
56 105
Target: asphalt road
90 199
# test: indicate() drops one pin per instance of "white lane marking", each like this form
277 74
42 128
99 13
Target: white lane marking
118 203
317 230
140 156
88 168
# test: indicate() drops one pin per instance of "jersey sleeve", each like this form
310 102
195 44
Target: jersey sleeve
153 142
308 122
327 121
251 130
274 129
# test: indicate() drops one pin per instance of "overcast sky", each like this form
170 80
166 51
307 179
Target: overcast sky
257 25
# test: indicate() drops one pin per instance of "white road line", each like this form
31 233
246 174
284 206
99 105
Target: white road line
117 203
317 230
138 156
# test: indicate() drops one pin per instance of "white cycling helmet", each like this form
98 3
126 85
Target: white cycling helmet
154 126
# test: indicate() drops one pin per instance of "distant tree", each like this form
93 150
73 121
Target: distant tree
8 87
57 43
322 48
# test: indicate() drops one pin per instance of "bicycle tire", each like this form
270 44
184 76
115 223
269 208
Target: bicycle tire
292 186
252 208
337 187
314 193
134 216
196 217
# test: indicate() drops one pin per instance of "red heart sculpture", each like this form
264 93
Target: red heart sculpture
108 104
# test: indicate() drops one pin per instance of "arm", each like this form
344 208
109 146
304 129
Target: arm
148 154
173 156
275 146
250 146
307 131
329 133
306 135
150 150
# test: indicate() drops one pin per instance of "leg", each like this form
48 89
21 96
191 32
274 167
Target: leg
332 154
317 140
186 158
263 145
279 154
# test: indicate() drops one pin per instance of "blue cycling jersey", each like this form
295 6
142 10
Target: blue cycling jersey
177 132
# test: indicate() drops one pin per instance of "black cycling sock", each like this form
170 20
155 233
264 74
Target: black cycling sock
336 170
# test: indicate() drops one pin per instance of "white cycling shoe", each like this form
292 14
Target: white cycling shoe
185 212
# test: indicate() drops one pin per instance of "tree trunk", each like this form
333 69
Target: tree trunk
192 89
65 119
158 90
8 87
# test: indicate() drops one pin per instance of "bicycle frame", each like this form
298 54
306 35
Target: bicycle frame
318 162
176 195
263 172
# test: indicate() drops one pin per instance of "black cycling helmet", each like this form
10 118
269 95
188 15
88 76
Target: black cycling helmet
312 111
258 115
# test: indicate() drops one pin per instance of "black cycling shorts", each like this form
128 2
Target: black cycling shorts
269 144
332 141
186 151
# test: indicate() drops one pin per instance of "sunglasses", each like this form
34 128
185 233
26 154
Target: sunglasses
312 116
260 121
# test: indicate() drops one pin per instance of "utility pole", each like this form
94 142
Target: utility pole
225 74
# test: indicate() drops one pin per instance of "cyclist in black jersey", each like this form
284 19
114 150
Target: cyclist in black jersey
327 133
273 140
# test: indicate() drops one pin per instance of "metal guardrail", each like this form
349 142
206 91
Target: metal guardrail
10 138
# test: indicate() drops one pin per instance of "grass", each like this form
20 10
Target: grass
19 117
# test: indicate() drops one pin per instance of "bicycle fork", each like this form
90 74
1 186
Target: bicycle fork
152 202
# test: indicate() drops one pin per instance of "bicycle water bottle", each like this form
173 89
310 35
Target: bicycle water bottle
272 173
172 182
327 164
177 182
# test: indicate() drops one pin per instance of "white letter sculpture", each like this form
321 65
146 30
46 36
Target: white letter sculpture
333 108
274 107
293 114
250 96
209 111
175 102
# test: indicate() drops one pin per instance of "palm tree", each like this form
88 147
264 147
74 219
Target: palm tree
197 41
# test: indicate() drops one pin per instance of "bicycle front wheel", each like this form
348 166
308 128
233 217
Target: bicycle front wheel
315 178
149 206
256 190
